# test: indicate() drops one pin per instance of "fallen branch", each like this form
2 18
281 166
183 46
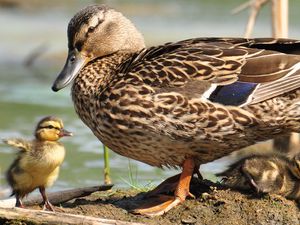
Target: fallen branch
45 217
57 197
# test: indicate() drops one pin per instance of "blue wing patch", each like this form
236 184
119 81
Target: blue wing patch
234 94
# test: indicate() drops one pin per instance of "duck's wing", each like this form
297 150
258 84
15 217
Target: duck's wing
231 71
21 144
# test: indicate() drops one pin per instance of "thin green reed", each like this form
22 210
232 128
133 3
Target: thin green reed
107 179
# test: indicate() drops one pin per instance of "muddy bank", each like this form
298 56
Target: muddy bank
213 205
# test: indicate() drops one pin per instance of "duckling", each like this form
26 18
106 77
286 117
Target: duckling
38 161
271 173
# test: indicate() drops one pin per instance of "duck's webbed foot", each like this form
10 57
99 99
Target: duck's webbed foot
160 204
168 185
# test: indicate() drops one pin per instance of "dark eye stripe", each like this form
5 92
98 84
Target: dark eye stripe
298 165
50 127
79 45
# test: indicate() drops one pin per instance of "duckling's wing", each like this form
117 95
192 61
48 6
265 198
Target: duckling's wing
21 144
228 71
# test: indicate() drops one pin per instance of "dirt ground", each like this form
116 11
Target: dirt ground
213 205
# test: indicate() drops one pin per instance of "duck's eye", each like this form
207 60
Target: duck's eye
72 59
91 29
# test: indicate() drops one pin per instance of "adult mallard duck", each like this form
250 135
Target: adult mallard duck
38 162
270 173
180 104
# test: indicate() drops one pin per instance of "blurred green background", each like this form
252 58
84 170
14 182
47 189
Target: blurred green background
33 47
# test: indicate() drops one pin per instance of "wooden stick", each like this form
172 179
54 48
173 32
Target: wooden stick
251 22
280 10
45 217
241 7
57 197
294 142
255 6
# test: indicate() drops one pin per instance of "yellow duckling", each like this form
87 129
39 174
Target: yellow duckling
38 161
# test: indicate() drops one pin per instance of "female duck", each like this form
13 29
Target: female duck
178 104
38 162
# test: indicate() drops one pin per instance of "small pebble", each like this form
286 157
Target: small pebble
189 220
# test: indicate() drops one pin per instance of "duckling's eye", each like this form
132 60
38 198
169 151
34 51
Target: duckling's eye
91 29
297 163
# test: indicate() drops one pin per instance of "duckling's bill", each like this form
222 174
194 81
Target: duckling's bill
74 63
64 133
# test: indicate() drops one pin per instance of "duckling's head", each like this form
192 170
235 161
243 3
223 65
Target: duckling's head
295 167
93 32
263 174
50 129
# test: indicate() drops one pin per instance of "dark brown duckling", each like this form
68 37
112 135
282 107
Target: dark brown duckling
272 173
38 161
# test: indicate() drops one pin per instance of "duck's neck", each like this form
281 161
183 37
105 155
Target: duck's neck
93 80
97 74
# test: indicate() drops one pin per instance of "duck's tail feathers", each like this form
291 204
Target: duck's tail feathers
21 144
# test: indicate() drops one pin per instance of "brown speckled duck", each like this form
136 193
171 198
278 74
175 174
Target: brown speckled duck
179 104
38 162
270 173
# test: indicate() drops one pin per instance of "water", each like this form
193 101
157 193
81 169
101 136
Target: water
25 94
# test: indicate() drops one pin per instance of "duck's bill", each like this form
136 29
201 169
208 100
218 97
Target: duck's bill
64 133
74 63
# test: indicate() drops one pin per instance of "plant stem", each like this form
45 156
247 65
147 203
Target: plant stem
107 179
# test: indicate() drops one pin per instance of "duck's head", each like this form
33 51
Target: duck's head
50 129
93 32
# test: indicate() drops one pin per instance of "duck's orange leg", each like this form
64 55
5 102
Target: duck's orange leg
170 184
163 203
